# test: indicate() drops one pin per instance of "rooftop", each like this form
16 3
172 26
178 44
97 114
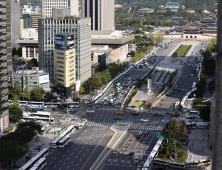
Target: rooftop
146 9
172 4
34 71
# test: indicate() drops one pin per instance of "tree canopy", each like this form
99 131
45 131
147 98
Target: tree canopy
37 93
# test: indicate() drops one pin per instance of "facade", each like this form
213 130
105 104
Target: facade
4 114
48 5
15 21
18 65
64 62
147 10
101 13
29 43
32 78
116 40
100 57
80 27
35 16
172 5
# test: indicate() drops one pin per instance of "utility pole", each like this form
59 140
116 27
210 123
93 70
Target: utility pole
217 136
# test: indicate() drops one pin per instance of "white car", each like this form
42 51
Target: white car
144 120
90 111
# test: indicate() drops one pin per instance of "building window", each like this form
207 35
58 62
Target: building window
71 70
71 53
60 75
71 75
71 57
60 71
59 53
71 79
71 66
61 58
60 66
60 62
60 80
71 62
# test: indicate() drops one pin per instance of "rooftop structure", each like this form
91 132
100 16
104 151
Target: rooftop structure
174 5
147 10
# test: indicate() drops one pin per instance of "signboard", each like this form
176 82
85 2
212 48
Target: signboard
60 42
159 136
70 42
43 79
6 122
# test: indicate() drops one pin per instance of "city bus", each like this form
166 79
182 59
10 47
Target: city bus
44 152
23 103
52 104
71 104
177 104
32 161
64 141
40 164
177 165
66 132
33 103
41 114
35 109
38 119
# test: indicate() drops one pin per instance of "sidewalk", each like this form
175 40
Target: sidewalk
198 145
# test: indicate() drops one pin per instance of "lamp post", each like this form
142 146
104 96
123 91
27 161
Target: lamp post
175 155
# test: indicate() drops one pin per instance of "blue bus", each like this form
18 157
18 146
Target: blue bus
35 109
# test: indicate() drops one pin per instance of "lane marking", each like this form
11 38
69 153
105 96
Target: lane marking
87 160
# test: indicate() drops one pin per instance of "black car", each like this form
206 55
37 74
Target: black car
109 104
134 114
175 114
131 153
117 118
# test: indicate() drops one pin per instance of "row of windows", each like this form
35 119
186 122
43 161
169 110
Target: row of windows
61 58
60 62
60 75
71 75
60 80
60 71
71 62
71 70
60 66
71 57
71 66
60 53
71 79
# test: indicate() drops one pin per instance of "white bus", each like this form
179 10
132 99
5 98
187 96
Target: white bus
194 112
44 152
71 104
161 161
38 119
33 103
41 114
40 164
177 165
66 132
23 103
52 104
177 104
64 141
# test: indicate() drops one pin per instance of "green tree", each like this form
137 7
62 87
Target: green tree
33 63
14 51
159 39
37 93
211 86
202 83
27 93
49 96
205 113
32 125
17 89
81 90
15 113
15 57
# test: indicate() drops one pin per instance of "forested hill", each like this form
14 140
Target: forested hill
196 5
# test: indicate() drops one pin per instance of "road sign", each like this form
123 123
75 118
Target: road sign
159 136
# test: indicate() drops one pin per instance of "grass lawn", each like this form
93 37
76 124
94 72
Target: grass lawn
137 104
182 51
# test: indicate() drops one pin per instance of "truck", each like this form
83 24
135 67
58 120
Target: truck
197 70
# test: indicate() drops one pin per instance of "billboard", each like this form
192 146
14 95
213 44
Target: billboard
60 42
43 79
70 41
6 122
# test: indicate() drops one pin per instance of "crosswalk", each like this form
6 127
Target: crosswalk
158 111
107 108
142 127
99 124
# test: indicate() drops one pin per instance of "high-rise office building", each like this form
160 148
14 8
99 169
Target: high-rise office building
4 114
48 5
101 13
80 27
35 16
64 65
15 21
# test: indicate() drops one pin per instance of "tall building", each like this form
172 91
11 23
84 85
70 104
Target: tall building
15 21
64 63
48 5
80 27
101 13
35 16
4 114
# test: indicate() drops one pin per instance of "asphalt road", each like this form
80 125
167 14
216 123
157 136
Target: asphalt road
141 147
81 152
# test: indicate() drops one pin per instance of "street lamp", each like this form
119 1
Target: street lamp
175 155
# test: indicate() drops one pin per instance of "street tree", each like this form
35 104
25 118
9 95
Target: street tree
159 39
37 93
81 90
27 93
17 89
15 113
49 96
